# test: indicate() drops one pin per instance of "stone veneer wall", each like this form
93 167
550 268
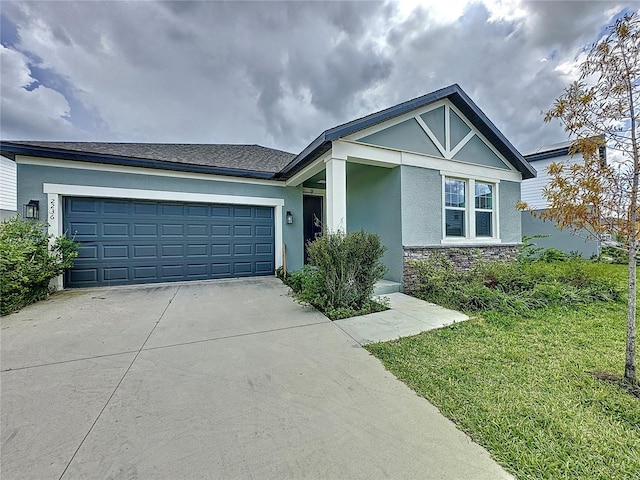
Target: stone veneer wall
462 257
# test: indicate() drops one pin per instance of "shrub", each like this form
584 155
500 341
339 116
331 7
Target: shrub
340 280
27 264
348 267
515 287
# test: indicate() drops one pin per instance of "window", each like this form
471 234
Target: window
467 218
454 201
484 209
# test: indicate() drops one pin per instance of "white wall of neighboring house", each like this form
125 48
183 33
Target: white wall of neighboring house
531 189
8 192
531 193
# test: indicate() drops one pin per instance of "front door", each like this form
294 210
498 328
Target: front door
312 219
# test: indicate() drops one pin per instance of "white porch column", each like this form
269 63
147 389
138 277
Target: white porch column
336 172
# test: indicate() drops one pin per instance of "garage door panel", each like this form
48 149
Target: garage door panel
172 209
169 251
145 230
83 205
197 270
83 231
220 211
115 273
243 268
264 249
242 249
197 210
218 250
145 208
115 252
84 275
242 212
115 230
242 231
198 230
172 230
264 231
172 271
132 241
264 267
145 251
197 250
266 213
115 207
221 231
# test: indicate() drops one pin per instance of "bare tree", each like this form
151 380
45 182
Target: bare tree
602 108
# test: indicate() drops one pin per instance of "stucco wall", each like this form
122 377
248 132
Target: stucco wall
32 177
373 203
563 240
509 216
421 206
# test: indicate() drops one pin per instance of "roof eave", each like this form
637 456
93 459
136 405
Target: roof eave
453 92
10 150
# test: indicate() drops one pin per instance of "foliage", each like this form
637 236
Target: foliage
519 287
27 264
524 389
614 255
344 269
602 108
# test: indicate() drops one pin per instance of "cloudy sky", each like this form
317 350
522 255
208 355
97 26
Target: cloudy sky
278 74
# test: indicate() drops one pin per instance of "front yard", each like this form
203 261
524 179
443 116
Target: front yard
525 387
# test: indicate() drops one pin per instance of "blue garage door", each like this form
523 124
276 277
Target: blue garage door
131 241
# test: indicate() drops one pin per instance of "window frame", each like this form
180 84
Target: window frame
470 210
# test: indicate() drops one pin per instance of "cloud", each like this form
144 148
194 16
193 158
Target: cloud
278 74
28 108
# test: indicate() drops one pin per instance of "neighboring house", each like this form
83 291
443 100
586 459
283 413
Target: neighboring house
564 240
430 174
8 206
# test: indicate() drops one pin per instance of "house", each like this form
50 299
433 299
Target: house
430 174
8 206
563 240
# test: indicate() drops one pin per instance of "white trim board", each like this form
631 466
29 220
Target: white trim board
108 192
101 167
55 192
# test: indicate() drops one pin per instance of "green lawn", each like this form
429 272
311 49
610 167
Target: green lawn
523 387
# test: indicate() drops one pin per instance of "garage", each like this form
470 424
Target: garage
127 241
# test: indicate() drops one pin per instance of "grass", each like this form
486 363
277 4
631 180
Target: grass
525 389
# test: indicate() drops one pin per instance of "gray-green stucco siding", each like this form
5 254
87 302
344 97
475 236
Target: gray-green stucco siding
373 204
32 177
422 206
564 240
509 215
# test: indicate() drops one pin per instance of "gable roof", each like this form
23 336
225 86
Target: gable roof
548 151
225 159
454 93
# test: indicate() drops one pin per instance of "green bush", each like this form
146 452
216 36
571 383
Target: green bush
27 264
614 255
340 280
514 287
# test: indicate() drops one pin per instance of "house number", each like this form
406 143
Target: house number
52 209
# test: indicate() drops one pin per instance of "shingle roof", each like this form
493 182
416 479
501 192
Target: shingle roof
248 158
453 92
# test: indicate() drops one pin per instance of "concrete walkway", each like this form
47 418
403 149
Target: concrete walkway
224 379
406 316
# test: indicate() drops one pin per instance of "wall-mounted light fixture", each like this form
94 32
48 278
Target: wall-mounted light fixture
31 211
289 218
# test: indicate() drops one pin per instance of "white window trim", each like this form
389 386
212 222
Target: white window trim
470 218
55 193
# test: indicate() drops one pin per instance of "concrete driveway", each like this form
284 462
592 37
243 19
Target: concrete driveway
222 379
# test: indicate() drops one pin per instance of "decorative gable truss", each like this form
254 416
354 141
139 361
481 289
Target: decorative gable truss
440 131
